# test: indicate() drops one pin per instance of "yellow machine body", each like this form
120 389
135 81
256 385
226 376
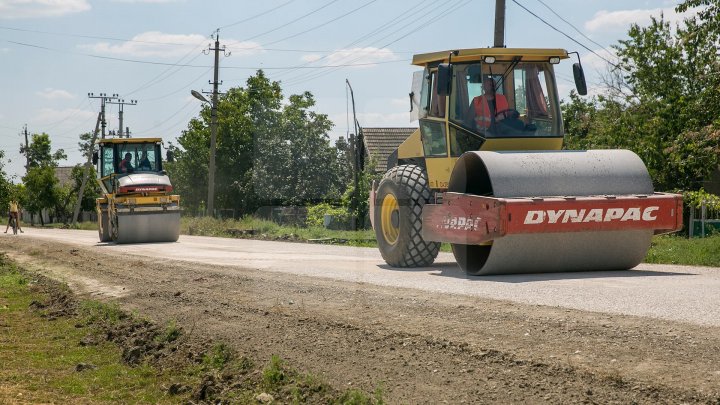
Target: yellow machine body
137 203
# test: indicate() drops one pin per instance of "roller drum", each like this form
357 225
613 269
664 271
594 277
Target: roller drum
145 227
553 174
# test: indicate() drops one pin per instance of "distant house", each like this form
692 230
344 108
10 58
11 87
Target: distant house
64 175
381 142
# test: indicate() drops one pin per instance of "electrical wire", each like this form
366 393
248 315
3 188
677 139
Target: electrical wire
381 28
434 17
65 34
575 28
256 15
189 65
617 66
292 21
325 23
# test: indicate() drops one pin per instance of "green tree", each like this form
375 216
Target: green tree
41 191
267 153
39 151
664 104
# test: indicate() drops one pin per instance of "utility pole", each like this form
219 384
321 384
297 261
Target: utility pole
121 103
356 145
103 99
88 164
213 122
499 24
27 151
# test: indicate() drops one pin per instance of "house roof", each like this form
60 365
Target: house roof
381 142
64 174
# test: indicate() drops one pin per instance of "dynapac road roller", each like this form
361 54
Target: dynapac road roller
485 172
137 203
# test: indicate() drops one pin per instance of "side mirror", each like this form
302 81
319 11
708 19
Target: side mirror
170 156
444 76
580 83
95 158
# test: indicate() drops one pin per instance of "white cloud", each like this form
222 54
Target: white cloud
363 57
597 60
55 94
159 44
15 9
622 19
68 116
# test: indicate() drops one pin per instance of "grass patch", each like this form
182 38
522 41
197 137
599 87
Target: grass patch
671 249
57 350
43 361
254 228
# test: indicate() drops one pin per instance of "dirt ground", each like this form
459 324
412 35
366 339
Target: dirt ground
419 347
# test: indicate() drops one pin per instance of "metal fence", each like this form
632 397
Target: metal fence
704 221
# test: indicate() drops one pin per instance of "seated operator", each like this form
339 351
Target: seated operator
144 164
491 112
126 165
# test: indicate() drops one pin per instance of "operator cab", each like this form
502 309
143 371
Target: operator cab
118 158
464 98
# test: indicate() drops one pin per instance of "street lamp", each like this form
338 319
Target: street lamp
199 96
213 136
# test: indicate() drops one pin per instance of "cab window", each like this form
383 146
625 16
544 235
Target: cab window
107 162
433 138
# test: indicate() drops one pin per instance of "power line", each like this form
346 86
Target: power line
65 34
323 24
574 27
293 21
256 15
434 18
189 65
567 36
381 28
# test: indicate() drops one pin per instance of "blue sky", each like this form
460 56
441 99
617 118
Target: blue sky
54 52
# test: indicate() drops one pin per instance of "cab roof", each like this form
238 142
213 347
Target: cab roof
128 140
501 54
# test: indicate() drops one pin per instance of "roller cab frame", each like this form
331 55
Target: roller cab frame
141 190
502 100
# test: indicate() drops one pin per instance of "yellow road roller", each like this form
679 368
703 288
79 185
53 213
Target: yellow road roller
485 172
137 204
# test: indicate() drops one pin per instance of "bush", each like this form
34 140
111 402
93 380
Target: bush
316 216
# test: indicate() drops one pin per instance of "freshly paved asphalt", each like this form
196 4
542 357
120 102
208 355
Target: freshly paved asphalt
679 293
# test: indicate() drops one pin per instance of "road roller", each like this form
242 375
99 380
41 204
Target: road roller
486 173
137 204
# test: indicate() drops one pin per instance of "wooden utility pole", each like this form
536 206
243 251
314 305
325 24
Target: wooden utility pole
88 165
213 123
499 24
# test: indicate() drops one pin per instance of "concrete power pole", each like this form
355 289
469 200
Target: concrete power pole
27 151
213 123
121 103
103 99
88 164
499 24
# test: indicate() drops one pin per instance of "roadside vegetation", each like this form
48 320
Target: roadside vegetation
63 350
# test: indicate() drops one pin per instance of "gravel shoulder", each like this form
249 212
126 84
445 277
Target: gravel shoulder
419 346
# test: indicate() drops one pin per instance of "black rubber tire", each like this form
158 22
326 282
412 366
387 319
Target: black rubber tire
104 219
409 185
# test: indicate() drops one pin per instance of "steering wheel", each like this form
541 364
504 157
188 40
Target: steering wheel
507 113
